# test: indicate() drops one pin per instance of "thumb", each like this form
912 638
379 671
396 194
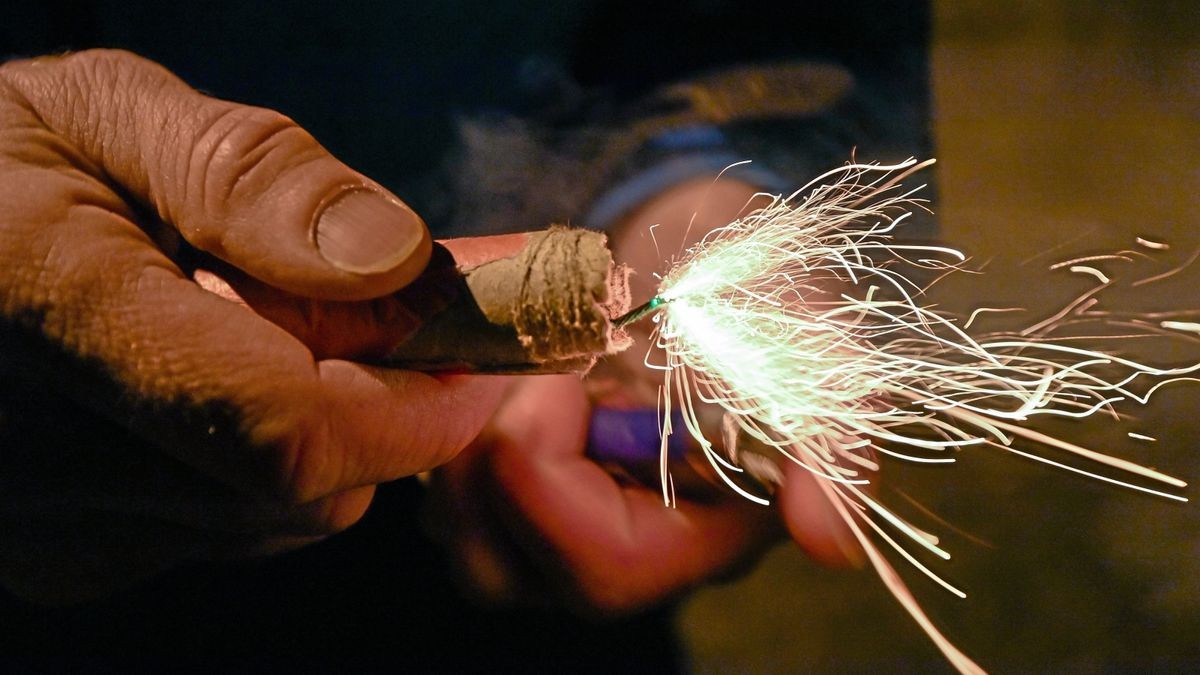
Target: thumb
244 184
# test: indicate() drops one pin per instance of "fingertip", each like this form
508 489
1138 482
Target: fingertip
813 522
370 233
363 244
545 407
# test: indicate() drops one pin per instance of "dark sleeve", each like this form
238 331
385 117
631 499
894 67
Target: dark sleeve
689 89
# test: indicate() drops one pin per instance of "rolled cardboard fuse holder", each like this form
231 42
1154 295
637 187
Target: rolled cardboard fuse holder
536 302
546 302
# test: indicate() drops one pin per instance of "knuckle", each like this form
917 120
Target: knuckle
103 66
109 73
103 69
105 58
11 70
88 60
87 96
240 148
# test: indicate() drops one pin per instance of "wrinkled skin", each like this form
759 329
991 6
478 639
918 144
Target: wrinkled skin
146 421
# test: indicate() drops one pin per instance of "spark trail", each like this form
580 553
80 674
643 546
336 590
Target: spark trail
802 321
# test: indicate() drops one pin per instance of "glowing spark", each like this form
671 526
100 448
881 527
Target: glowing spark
1091 258
1190 326
1140 437
981 310
1087 269
800 322
1171 272
1156 245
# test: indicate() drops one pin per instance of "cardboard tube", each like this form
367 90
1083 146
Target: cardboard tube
537 302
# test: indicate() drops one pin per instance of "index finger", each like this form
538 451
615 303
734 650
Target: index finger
620 544
94 305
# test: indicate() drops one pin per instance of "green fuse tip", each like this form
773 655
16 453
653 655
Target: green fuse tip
640 312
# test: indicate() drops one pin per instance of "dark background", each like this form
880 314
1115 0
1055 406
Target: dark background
379 83
1059 126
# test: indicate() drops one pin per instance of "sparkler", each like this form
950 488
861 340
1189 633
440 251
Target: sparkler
802 322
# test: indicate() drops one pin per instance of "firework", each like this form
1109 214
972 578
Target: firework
803 323
535 302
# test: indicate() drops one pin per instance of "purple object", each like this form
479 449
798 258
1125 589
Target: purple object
631 436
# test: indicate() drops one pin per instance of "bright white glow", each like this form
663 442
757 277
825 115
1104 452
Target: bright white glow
802 322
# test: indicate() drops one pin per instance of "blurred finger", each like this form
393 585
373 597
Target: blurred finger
621 547
813 522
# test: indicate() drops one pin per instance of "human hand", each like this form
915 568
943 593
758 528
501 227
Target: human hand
647 240
529 517
146 421
527 514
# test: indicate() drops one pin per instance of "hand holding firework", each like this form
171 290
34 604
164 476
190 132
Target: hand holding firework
175 379
530 511
144 421
802 321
